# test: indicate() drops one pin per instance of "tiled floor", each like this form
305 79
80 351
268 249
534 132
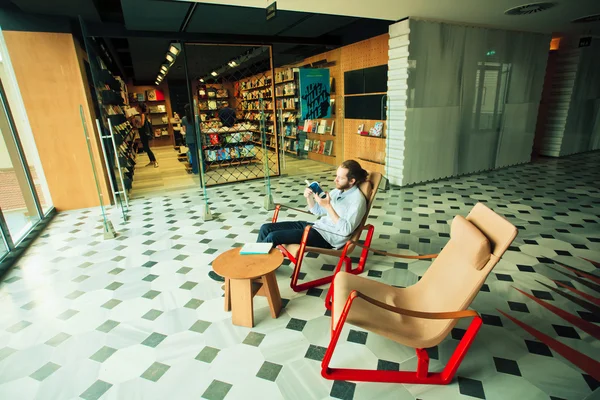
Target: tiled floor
137 317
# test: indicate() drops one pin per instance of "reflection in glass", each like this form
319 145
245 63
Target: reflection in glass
490 95
16 198
3 246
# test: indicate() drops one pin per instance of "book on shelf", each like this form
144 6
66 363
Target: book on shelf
376 130
322 127
308 125
321 147
315 146
315 126
155 95
307 145
328 147
214 138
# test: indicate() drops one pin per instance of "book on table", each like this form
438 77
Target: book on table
256 248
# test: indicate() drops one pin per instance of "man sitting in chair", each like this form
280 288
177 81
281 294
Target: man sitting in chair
341 211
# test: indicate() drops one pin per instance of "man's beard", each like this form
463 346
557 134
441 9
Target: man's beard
343 187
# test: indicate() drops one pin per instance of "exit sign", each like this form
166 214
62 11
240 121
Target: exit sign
271 11
585 41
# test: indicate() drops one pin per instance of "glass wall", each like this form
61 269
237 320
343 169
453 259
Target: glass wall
17 201
25 200
473 96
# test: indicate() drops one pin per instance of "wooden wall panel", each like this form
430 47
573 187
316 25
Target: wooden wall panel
367 150
365 54
49 76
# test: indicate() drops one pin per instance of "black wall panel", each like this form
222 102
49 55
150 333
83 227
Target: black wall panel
376 79
367 80
364 107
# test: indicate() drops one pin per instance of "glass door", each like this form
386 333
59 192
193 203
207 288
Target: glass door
18 201
3 246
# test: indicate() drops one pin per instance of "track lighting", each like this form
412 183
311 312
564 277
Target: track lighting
175 48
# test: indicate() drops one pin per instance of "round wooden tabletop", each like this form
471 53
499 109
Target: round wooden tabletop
232 265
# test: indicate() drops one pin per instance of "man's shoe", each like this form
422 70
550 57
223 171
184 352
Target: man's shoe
215 277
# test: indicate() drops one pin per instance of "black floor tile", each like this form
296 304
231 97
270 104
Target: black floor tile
566 331
507 366
538 348
471 387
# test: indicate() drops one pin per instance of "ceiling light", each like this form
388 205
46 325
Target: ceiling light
589 18
156 83
201 80
214 73
532 8
163 69
170 58
175 48
232 64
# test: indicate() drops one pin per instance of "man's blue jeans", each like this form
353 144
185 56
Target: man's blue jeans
290 233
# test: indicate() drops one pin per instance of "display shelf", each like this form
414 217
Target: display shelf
371 161
226 145
260 144
255 88
372 137
259 98
286 81
237 161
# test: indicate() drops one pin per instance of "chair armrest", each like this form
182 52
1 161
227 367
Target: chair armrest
280 206
385 253
410 313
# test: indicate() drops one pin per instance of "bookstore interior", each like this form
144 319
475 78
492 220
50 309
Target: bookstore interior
246 119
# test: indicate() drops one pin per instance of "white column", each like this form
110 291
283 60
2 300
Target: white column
397 96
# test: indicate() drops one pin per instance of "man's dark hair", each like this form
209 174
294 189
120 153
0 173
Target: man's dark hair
355 171
143 108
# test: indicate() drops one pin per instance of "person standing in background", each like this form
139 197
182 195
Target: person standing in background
187 123
144 127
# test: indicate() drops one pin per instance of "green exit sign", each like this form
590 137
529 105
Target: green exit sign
271 11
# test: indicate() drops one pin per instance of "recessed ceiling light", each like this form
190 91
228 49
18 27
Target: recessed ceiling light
232 64
589 18
201 80
214 73
163 68
527 9
170 58
175 48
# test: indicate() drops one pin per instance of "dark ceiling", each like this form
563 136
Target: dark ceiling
137 33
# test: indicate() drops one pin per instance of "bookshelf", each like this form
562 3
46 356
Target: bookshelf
158 103
113 97
286 100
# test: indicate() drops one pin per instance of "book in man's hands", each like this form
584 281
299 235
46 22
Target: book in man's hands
256 248
316 189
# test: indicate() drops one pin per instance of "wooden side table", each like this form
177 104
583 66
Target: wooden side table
245 277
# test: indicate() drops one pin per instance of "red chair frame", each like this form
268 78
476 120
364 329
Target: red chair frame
344 259
422 374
